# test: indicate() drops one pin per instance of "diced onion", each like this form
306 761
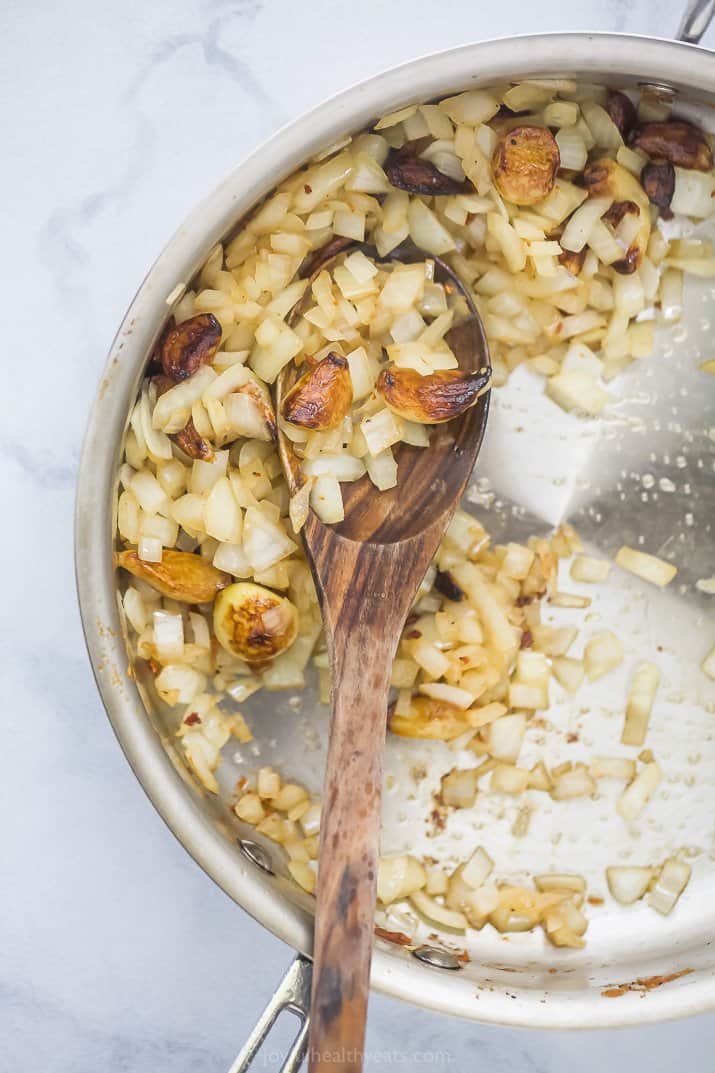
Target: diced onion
574 783
612 767
572 148
670 884
568 672
637 795
310 820
149 549
506 736
459 698
437 913
641 696
584 568
694 193
382 469
177 684
560 881
507 779
168 636
602 654
577 390
477 869
399 877
646 566
459 788
628 883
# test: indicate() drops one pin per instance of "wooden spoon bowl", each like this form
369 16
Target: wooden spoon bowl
367 571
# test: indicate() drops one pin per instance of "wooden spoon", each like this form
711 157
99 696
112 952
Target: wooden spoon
367 571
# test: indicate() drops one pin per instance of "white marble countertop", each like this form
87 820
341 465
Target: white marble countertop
117 952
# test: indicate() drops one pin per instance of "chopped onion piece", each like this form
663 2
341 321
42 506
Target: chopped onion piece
303 874
612 767
584 568
438 914
265 542
569 599
506 736
382 469
628 884
517 561
381 430
168 636
507 779
568 672
670 884
560 881
539 778
640 702
575 389
299 506
268 782
459 698
150 549
602 654
638 793
399 877
249 808
574 783
694 193
459 788
344 467
578 230
646 566
177 684
310 820
476 871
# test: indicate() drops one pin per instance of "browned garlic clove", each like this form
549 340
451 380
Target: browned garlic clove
431 399
321 398
408 171
189 345
622 111
180 575
658 181
525 163
682 143
606 178
254 623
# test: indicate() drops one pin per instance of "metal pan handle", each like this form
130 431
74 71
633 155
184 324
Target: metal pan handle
698 16
293 994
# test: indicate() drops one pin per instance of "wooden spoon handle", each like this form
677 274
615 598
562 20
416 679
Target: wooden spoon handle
350 827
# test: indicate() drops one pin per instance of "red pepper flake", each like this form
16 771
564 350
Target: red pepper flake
413 635
644 984
571 737
154 666
527 639
593 899
397 937
308 189
193 719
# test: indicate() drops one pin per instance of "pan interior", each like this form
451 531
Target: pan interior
644 476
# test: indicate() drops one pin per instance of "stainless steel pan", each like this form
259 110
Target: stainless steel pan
649 470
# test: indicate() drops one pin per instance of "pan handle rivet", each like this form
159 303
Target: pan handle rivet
437 958
257 854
